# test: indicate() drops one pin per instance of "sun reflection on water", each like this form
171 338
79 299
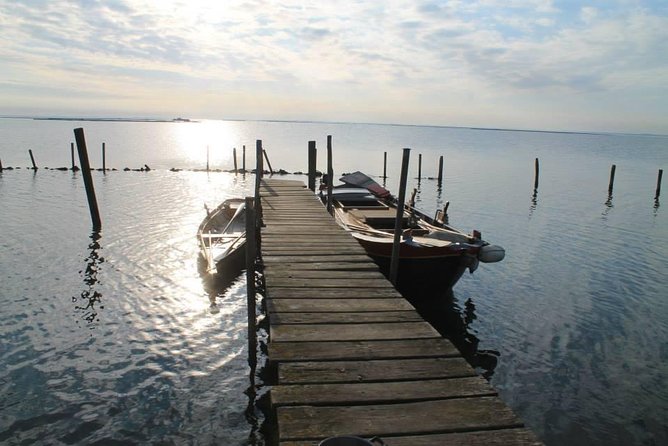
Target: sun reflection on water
218 137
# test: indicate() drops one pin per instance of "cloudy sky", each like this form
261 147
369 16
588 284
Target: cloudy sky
530 64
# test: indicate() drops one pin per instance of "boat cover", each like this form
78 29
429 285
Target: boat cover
362 180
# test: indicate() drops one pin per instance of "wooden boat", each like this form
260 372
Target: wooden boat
222 237
432 255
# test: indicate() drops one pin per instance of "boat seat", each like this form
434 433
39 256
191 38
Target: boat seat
213 236
379 218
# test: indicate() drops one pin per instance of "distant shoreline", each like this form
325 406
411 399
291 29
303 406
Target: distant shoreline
114 119
186 120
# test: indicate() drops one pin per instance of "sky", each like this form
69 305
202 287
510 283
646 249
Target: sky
533 64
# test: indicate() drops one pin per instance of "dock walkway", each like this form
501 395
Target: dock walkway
353 356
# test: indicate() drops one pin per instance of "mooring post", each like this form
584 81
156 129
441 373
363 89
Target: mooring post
243 159
0 165
104 157
259 169
251 255
312 155
72 155
264 153
612 179
658 183
419 167
440 170
234 155
394 262
88 179
330 174
536 174
384 165
32 158
207 158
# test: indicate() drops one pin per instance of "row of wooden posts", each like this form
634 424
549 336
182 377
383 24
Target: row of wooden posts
312 169
611 183
261 156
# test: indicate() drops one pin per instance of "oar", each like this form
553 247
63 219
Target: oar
236 214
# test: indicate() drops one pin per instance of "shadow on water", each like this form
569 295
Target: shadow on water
608 206
446 314
258 410
88 303
215 285
534 202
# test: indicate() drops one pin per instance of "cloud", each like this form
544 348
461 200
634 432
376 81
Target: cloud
433 56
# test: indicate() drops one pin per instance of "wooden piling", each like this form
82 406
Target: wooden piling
384 165
88 179
234 155
312 156
259 168
243 158
0 165
72 155
419 177
440 170
536 174
251 254
32 158
104 157
612 179
658 183
394 262
207 158
264 153
330 174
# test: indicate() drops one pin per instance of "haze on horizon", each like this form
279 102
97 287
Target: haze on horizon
533 64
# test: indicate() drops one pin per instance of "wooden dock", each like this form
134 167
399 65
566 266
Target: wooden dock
353 356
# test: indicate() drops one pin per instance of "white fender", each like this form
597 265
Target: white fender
491 253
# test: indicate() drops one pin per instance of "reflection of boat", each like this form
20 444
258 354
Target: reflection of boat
222 236
431 253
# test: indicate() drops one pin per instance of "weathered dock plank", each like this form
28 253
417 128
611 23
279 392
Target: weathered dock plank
377 370
353 357
441 416
352 332
298 282
349 317
323 266
504 437
320 258
329 293
275 272
302 305
360 350
380 393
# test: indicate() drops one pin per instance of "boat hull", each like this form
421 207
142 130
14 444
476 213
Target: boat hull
432 254
233 263
421 278
221 238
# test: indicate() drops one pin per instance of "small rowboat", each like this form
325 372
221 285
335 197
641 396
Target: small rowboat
222 236
432 254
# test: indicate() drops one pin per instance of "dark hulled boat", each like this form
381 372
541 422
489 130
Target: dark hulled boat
432 255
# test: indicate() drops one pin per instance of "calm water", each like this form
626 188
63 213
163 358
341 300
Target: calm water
117 337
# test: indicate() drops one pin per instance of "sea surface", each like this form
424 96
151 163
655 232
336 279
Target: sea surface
116 338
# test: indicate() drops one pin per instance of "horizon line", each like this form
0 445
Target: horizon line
182 120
